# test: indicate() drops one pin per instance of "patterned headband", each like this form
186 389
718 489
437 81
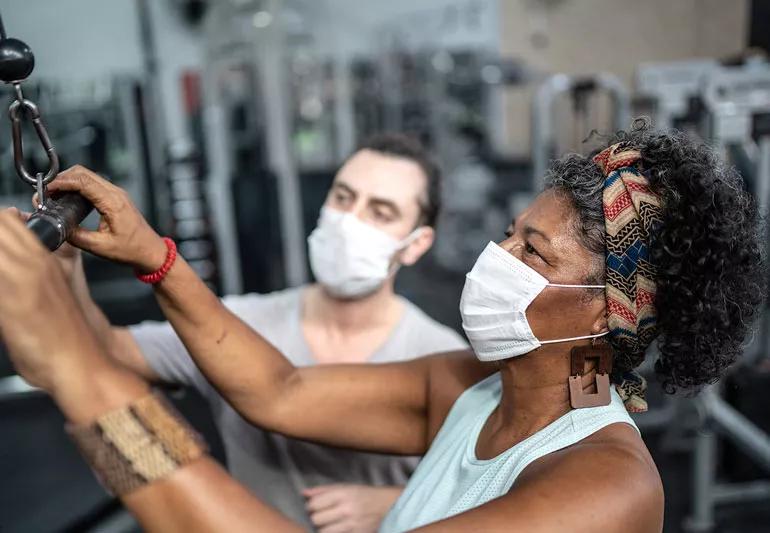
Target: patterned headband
631 213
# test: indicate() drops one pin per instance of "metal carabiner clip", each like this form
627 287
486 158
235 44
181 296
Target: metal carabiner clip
14 113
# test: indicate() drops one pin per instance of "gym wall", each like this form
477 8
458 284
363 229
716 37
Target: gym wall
613 36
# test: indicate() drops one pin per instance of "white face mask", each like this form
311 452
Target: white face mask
493 306
350 258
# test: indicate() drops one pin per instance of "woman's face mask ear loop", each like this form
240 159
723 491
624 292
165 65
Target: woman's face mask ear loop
497 292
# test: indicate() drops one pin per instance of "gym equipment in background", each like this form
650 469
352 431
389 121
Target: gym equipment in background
54 218
728 106
580 90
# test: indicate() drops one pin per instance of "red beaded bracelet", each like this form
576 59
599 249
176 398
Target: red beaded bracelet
156 277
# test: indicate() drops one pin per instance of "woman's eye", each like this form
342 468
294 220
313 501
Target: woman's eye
531 249
508 234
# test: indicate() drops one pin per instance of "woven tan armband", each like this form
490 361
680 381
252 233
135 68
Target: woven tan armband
137 444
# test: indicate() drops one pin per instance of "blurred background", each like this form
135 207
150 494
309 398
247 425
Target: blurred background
227 119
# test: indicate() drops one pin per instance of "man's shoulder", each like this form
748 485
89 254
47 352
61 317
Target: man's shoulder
435 335
254 302
417 316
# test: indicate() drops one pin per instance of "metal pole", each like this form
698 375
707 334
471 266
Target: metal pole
733 425
345 128
270 57
703 479
621 99
220 192
154 119
542 125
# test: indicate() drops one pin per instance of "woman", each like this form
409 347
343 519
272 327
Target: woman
652 238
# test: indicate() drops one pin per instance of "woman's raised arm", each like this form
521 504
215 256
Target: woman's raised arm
370 407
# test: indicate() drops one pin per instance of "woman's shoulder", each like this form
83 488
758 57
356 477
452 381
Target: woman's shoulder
616 451
611 466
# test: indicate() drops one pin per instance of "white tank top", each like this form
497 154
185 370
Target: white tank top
450 479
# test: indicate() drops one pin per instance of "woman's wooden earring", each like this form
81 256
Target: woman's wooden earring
577 398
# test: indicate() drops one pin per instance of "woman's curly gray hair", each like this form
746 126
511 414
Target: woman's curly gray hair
708 251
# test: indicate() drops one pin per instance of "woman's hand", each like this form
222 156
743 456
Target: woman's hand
123 234
70 258
40 322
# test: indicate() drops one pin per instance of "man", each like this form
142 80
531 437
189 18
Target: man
379 215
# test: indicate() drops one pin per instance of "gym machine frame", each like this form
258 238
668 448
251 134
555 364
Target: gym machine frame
672 86
543 130
732 97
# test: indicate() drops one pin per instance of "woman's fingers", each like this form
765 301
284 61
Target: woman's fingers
104 196
8 240
13 234
123 234
90 241
21 215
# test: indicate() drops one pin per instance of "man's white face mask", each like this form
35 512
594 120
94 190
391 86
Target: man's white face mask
494 302
350 258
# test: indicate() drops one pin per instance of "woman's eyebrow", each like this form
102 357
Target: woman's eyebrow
529 230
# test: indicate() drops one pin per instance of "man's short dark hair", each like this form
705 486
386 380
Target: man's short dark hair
406 147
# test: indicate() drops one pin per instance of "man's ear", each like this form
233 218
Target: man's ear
417 248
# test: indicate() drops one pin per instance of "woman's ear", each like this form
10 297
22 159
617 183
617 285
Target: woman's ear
599 308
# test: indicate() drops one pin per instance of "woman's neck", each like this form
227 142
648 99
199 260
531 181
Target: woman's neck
535 392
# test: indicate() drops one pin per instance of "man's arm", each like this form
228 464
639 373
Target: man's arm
117 342
151 350
126 351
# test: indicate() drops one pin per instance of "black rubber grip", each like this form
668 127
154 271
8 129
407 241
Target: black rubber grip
61 215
